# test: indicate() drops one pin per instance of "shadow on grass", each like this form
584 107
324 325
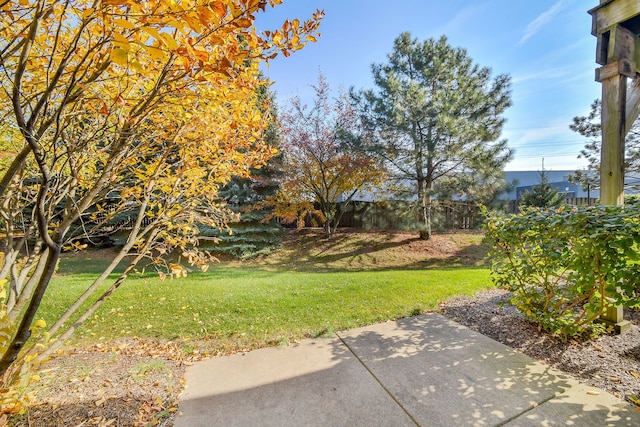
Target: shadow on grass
470 256
364 260
309 251
312 246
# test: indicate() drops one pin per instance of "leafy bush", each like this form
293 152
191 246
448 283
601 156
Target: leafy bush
565 267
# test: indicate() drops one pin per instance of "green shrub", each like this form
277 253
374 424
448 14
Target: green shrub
566 266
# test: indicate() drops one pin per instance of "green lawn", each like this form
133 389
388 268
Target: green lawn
238 306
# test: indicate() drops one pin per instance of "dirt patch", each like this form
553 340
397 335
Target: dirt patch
128 383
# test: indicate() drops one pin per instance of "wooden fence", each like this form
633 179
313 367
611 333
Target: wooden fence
403 215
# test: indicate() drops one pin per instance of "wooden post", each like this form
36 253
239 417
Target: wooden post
614 99
616 24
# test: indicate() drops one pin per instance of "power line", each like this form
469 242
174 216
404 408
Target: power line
550 143
538 127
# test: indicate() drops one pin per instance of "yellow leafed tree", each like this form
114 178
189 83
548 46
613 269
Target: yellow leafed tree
123 109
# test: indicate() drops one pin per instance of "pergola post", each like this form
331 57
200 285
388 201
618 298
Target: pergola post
616 24
614 95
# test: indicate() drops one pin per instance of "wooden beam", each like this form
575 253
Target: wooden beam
612 12
612 69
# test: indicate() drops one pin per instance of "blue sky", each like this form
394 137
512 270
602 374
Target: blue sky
546 47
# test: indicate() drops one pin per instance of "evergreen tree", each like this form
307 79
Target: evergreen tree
251 234
590 127
542 195
257 230
436 119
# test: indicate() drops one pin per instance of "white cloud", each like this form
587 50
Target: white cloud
557 129
546 74
462 18
542 19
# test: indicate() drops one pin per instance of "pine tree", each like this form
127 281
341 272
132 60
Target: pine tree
436 118
542 195
590 127
251 235
257 231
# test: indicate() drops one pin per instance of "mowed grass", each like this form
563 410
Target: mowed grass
236 306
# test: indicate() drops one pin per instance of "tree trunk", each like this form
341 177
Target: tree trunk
92 309
329 217
425 209
22 334
327 228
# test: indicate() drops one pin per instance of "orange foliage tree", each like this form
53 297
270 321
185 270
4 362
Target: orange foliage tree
151 105
320 167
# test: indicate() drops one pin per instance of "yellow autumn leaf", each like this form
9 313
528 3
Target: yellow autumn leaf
121 41
152 32
88 12
39 324
169 41
137 66
157 54
119 56
277 38
244 22
193 22
124 24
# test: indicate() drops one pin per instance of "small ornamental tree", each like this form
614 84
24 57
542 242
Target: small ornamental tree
151 106
320 168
